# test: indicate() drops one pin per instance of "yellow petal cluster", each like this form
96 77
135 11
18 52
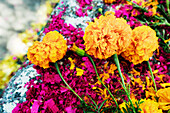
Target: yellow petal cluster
52 48
164 98
144 42
149 106
151 5
7 66
123 105
107 36
79 71
109 1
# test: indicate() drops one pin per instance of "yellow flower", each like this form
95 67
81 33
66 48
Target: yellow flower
123 105
7 66
28 36
109 1
143 44
149 106
150 5
164 98
104 95
167 40
153 4
52 48
107 36
79 71
139 2
150 93
165 85
72 63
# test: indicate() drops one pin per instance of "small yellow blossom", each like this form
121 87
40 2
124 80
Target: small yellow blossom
165 85
109 1
167 40
104 95
139 2
112 68
150 93
79 72
150 5
7 66
72 63
123 105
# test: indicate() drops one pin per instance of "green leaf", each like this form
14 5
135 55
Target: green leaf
168 111
84 111
102 104
141 102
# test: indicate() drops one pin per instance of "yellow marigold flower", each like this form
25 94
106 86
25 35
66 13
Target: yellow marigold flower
149 106
107 36
52 48
109 1
144 42
164 98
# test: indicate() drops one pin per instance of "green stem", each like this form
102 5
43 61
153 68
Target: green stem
101 80
152 77
115 57
159 18
167 4
56 65
160 23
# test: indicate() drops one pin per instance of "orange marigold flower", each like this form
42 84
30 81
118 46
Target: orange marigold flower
51 49
149 106
109 1
164 98
107 36
53 36
144 42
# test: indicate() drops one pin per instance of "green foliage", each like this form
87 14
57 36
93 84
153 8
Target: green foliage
129 109
94 108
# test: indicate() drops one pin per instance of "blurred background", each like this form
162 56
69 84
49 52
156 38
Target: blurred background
15 17
21 22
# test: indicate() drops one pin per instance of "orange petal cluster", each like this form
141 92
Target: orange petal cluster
109 1
107 36
52 48
144 42
149 106
164 98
